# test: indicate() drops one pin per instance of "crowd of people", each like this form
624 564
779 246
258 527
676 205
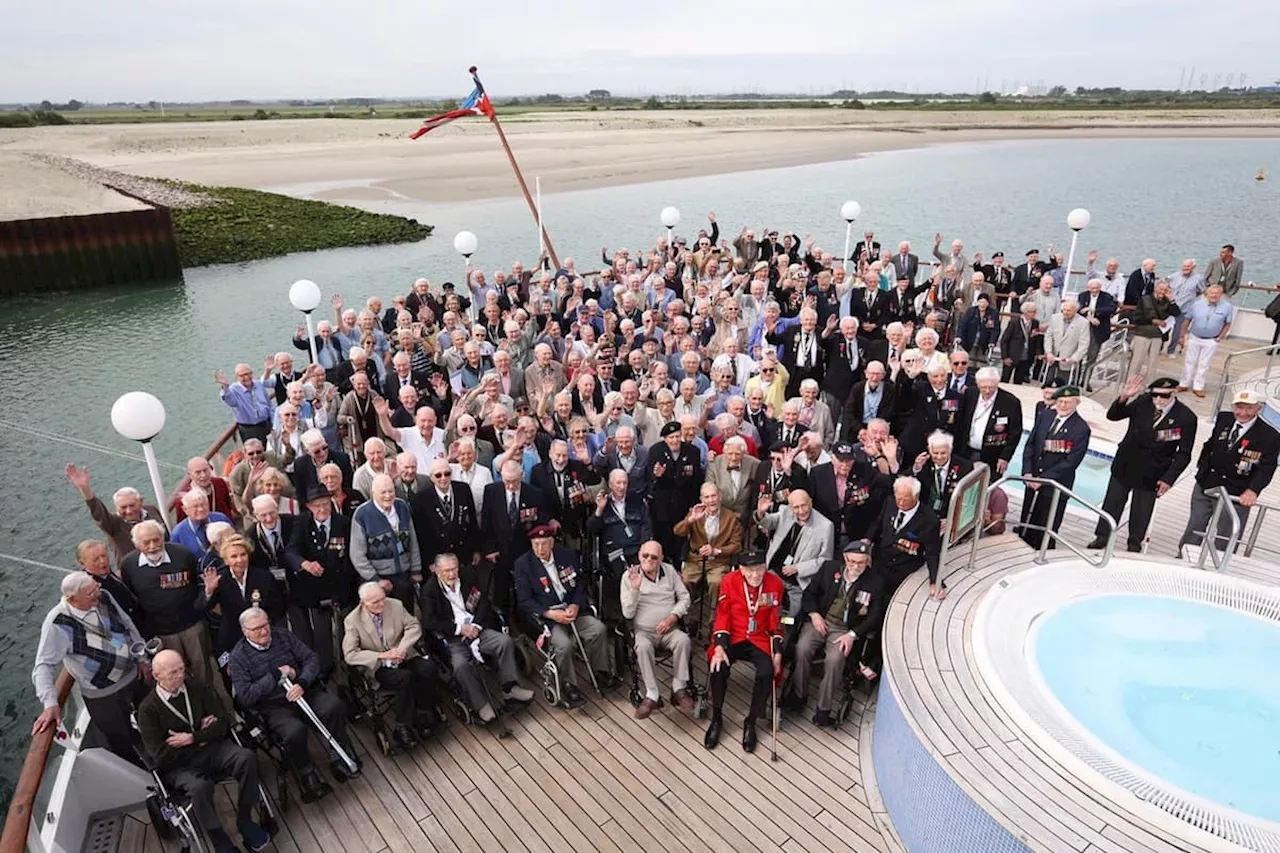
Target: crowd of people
747 444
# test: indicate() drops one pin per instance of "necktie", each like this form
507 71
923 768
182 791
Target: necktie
1057 425
513 507
275 545
322 535
804 349
851 350
1159 417
1235 433
899 520
408 489
941 476
955 384
447 504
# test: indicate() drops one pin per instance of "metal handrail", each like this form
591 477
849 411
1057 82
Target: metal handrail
1058 491
17 824
1209 541
981 473
1272 350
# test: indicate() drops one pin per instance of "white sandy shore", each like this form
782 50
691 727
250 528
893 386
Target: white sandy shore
374 159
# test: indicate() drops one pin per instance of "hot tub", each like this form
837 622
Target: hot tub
1154 685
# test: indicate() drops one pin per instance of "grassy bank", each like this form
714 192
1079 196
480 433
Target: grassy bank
249 225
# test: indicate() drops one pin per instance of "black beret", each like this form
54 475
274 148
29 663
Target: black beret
1066 391
997 255
779 446
858 546
754 557
1055 382
1031 252
670 428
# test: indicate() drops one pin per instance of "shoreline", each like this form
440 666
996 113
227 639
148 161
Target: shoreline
354 161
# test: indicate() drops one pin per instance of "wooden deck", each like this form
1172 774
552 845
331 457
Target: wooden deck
927 649
592 779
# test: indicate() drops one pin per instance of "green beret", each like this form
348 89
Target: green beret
1066 391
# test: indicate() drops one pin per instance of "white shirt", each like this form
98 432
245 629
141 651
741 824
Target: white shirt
411 440
477 478
552 572
144 560
713 526
393 517
461 617
1244 427
907 515
166 695
981 414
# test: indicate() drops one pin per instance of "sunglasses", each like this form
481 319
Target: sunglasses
442 475
466 429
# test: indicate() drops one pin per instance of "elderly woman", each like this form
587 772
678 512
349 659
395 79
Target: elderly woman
381 637
927 342
237 586
275 483
485 397
295 394
285 442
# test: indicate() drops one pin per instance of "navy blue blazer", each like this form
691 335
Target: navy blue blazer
1056 457
535 593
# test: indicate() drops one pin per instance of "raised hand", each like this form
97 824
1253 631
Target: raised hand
336 301
220 377
78 477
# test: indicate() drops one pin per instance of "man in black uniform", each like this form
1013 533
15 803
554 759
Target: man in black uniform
841 611
1055 448
1154 452
907 537
675 471
990 423
445 518
1240 454
565 481
939 470
850 491
320 574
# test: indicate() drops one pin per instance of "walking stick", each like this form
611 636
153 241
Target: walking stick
773 756
582 650
287 683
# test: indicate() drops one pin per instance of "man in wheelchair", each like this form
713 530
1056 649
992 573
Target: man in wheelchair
551 598
841 608
381 638
654 598
257 664
457 610
184 731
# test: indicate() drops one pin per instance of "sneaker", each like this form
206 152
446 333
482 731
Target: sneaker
683 700
255 837
516 693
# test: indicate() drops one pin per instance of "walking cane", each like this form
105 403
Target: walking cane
773 756
582 650
287 683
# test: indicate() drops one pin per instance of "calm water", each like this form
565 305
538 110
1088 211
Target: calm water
1179 688
69 357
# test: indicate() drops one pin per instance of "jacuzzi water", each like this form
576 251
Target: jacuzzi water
1184 689
1091 477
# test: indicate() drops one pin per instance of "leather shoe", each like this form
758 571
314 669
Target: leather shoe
749 734
822 719
313 787
646 707
342 772
607 680
1181 388
571 696
682 700
1198 393
712 740
1097 544
405 737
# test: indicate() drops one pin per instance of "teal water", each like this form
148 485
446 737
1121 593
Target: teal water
1091 477
1182 689
69 356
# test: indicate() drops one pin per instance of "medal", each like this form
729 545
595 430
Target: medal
751 625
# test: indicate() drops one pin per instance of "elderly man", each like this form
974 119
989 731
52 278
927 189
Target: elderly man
254 464
626 455
191 532
1240 456
375 463
257 664
129 510
249 400
842 608
802 351
89 634
184 730
1154 318
1141 282
511 509
675 472
814 414
469 470
1185 287
269 536
1208 323
329 350
91 556
1096 306
1045 299
799 540
200 478
456 609
938 471
551 593
990 424
732 472
384 544
1056 446
1066 343
907 537
1226 271
1021 344
545 372
408 481
621 521
655 599
849 491
306 468
868 399
445 517
566 482
715 537
382 637
320 574
748 628
424 439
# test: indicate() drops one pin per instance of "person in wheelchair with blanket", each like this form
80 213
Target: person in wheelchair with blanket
381 638
184 730
841 611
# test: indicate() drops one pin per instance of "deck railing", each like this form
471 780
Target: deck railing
1226 383
18 826
1220 558
1057 493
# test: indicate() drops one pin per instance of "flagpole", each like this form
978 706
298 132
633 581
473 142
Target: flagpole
537 188
515 167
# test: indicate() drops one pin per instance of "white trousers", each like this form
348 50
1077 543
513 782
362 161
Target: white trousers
1198 355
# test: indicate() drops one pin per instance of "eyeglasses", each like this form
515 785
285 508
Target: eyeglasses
959 363
258 629
764 370
442 475
466 428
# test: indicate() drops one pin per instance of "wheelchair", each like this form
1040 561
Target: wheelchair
250 730
171 814
538 664
370 703
851 679
661 656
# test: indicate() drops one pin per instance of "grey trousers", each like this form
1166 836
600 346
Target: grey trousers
495 646
595 639
1201 512
832 669
678 643
1146 355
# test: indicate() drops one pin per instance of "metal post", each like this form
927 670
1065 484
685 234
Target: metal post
157 485
537 183
1257 525
1041 559
311 338
1208 540
1071 256
848 235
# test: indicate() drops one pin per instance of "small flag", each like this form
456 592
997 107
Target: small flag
476 104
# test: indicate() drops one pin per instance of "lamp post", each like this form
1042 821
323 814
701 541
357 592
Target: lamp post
670 218
1077 221
139 416
304 294
464 243
850 210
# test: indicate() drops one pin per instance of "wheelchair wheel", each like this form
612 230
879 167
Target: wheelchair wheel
634 696
190 838
700 706
160 817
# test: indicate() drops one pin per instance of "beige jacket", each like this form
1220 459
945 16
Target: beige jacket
360 643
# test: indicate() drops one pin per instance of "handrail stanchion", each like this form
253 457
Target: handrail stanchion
1061 492
1042 558
980 473
1209 542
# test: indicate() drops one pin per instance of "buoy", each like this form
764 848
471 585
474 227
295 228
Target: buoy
1262 175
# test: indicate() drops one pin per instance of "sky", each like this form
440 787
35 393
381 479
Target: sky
180 50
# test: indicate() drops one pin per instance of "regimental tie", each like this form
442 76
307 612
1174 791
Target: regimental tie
1057 426
513 507
446 503
1235 434
275 546
899 520
804 349
322 535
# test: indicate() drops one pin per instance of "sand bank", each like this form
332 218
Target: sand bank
374 159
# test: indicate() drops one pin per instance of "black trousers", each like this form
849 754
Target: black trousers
1035 510
288 723
402 589
1144 503
1016 373
259 431
760 688
110 721
314 626
416 684
209 765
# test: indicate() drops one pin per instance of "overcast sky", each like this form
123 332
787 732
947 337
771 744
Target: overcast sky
181 50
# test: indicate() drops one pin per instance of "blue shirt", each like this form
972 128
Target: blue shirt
250 405
193 537
1208 321
871 402
756 338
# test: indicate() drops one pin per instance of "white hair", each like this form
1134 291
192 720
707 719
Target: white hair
215 530
73 582
809 384
815 438
125 492
250 613
356 353
925 333
374 441
193 497
265 502
909 483
736 441
938 438
987 373
141 527
312 438
367 589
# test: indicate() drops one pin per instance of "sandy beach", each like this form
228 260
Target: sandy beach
365 160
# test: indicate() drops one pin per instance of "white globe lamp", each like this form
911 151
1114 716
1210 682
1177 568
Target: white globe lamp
1077 221
670 218
139 416
304 295
850 211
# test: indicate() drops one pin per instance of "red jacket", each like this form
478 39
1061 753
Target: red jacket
733 616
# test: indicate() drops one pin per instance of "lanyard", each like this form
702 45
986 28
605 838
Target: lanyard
190 718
